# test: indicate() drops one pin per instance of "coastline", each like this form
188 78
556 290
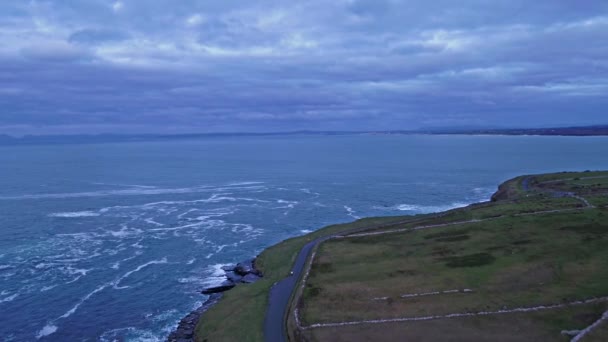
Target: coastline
244 272
187 326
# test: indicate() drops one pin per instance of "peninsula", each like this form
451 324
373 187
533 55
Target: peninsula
529 265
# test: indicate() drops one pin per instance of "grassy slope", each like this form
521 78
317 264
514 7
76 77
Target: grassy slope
509 261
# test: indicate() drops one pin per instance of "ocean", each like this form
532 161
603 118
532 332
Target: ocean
104 242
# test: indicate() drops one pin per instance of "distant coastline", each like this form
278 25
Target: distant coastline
7 140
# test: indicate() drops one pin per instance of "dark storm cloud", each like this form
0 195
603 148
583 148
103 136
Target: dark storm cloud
193 66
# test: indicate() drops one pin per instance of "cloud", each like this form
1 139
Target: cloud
117 6
53 51
97 36
136 65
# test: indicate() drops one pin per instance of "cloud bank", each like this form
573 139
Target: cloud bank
139 66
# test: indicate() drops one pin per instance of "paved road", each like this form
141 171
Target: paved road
274 324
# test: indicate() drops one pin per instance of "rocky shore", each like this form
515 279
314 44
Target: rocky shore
242 273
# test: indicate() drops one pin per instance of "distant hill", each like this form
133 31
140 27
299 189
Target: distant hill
599 130
565 131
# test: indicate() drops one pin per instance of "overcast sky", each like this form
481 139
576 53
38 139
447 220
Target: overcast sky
176 66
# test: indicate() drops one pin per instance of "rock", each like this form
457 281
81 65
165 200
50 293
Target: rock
243 272
244 268
225 286
185 329
570 332
228 268
250 278
233 277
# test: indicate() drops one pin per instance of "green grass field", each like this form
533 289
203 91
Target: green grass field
510 257
526 249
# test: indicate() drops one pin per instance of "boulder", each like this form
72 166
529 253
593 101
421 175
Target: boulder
233 277
225 286
228 268
244 268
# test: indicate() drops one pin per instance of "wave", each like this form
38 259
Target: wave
75 214
46 331
9 298
217 275
46 288
422 209
129 334
116 265
425 209
137 269
351 212
82 300
126 185
139 191
243 183
51 328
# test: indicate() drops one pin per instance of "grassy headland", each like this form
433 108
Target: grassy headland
519 268
541 241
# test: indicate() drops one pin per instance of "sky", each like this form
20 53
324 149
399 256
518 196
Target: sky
190 66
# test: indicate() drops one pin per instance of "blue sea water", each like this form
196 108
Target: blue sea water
107 242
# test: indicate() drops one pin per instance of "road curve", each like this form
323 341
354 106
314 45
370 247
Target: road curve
280 293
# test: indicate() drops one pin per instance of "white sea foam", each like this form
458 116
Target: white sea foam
351 212
82 300
127 185
244 183
217 275
191 261
484 193
137 269
75 214
137 245
180 216
51 328
131 334
125 232
424 209
46 331
46 288
310 192
191 280
9 298
74 271
306 231
163 316
137 191
151 221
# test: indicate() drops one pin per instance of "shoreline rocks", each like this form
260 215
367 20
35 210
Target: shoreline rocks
185 330
241 273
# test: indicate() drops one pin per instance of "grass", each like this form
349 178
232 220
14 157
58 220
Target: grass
511 260
539 326
467 255
506 261
239 316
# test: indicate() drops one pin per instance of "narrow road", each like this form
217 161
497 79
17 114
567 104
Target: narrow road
280 293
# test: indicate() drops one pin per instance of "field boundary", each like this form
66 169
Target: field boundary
470 314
